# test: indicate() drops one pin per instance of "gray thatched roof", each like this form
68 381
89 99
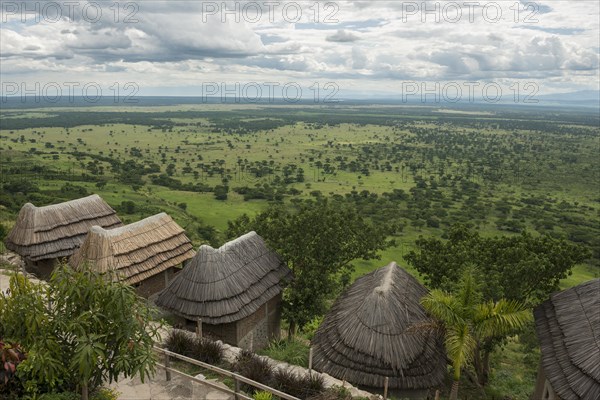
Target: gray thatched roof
226 284
57 230
370 334
136 251
568 327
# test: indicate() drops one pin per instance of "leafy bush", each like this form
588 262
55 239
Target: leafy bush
97 330
301 386
253 367
334 393
60 396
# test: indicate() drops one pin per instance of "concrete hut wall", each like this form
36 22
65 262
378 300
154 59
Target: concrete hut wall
252 333
155 283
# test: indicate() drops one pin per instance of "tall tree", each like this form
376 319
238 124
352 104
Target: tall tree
318 240
469 323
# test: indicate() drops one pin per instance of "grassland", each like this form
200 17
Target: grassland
502 172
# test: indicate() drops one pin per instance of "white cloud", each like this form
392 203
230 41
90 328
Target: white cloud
372 45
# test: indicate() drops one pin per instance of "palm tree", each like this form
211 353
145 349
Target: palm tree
467 322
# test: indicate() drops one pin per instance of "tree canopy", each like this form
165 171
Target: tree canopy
521 267
79 330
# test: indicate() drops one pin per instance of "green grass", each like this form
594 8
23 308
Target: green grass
291 351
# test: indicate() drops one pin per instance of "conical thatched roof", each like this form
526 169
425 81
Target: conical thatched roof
57 230
370 334
568 327
226 284
136 251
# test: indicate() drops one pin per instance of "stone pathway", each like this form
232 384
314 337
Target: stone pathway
158 388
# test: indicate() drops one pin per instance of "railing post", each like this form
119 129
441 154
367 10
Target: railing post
385 387
167 365
199 327
310 358
237 388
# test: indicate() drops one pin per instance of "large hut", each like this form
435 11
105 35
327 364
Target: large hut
376 330
43 235
144 254
234 290
568 328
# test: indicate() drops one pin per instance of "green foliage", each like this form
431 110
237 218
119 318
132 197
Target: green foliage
522 267
310 328
94 331
262 395
318 240
470 324
291 351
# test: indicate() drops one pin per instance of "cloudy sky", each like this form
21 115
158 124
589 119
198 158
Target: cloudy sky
361 48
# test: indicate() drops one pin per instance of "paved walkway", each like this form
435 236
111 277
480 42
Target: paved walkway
159 389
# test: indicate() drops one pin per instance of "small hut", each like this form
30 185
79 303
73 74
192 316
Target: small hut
42 235
375 331
144 254
234 290
568 328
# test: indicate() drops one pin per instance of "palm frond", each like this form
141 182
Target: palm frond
443 306
500 318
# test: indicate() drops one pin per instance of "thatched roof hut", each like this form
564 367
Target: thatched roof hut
226 284
370 333
54 231
568 328
137 251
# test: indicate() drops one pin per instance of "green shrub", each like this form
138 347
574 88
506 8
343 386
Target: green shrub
301 386
261 395
253 367
105 394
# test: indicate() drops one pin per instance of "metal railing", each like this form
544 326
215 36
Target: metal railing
238 379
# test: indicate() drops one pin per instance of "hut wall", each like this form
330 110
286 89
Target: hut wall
255 331
155 283
543 389
42 268
224 332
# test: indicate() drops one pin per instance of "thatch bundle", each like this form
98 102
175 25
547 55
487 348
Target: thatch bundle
226 284
137 251
568 327
57 230
375 330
